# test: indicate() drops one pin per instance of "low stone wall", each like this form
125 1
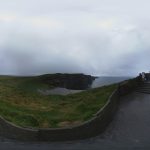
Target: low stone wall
128 86
12 131
90 128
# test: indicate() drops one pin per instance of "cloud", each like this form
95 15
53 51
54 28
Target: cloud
7 18
93 37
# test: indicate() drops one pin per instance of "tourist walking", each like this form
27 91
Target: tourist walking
143 76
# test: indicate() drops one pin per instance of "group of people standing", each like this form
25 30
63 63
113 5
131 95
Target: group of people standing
145 76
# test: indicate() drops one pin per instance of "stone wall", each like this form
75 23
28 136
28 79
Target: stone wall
90 128
128 86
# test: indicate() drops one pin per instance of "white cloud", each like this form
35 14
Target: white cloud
7 18
106 37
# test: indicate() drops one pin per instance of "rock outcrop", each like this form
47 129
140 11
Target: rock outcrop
69 81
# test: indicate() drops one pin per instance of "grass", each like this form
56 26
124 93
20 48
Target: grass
21 103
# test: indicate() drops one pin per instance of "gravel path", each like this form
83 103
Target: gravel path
58 91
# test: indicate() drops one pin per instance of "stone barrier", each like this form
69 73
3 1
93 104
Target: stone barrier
90 128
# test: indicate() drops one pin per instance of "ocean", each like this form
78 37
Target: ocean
101 81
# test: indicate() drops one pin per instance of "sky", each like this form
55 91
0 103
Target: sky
97 37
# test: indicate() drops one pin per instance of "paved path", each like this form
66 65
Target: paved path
130 129
144 88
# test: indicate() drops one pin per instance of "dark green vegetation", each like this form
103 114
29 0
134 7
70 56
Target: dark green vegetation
22 104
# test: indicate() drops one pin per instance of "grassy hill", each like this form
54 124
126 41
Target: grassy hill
22 104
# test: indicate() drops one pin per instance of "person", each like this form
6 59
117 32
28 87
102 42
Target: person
140 77
148 76
143 76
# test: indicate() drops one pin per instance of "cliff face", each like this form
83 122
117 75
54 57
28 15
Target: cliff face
69 81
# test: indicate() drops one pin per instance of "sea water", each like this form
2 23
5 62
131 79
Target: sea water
101 81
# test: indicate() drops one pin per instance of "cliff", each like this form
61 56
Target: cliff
69 81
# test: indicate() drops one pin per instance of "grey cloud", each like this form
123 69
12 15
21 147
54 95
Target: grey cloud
107 37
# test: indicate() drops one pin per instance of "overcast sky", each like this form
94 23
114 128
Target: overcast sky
98 37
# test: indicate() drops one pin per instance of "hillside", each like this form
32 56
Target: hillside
22 104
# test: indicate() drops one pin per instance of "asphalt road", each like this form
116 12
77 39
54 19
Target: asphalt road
130 129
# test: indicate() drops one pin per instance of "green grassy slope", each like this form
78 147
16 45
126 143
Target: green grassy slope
21 104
